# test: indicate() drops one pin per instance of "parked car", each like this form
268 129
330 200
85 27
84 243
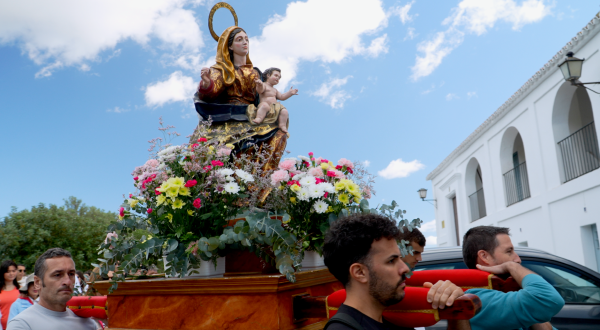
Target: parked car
578 285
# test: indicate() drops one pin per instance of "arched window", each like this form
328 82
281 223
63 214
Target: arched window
514 167
474 188
574 132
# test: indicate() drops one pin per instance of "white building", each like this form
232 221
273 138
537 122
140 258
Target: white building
533 164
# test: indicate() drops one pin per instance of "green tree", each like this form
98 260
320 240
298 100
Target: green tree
75 227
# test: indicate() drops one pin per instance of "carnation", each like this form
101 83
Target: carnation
345 162
278 176
304 158
152 163
339 175
316 172
287 165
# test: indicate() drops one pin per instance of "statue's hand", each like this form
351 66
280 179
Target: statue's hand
258 83
205 76
293 91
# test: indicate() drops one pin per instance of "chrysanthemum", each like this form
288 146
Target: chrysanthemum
172 191
225 171
183 191
232 187
327 187
320 207
307 180
178 203
304 158
160 200
177 181
303 194
340 186
353 188
315 191
344 198
245 176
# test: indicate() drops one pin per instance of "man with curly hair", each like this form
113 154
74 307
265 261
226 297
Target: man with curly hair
362 252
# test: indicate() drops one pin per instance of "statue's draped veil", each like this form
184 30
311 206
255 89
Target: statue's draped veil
224 63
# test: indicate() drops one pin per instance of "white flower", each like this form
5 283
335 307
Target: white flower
245 176
303 194
291 158
327 187
315 190
320 207
225 171
299 175
307 180
229 178
232 187
304 158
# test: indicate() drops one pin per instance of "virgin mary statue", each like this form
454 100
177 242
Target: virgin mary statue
227 95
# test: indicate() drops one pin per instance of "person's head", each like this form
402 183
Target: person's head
8 274
488 246
238 43
272 76
20 271
29 287
361 251
55 276
417 242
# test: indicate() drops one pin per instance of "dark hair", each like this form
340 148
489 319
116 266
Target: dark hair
480 238
4 266
40 263
21 265
349 241
268 72
230 41
413 236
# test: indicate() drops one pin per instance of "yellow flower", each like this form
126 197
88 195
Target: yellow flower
177 181
160 199
329 209
170 217
178 203
324 166
339 186
344 198
331 164
353 188
211 149
148 221
293 200
230 146
295 187
163 187
190 212
120 218
172 191
184 191
281 187
133 202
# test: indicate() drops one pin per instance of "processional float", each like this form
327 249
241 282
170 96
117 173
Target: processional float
248 295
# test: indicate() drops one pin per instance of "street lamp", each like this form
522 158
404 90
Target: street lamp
571 70
423 194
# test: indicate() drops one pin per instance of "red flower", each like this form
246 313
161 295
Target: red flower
130 195
136 178
191 183
292 182
217 163
202 139
325 195
331 174
197 203
350 170
319 180
157 192
324 161
195 145
307 164
152 177
149 211
207 168
144 184
339 167
122 211
310 154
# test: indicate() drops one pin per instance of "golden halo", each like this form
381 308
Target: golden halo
212 13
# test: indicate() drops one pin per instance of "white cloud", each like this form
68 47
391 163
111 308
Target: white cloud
471 94
431 240
84 67
402 12
400 169
475 17
331 94
410 34
366 163
452 96
428 226
117 110
175 89
60 33
288 39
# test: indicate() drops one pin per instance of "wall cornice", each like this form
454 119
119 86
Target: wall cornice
582 38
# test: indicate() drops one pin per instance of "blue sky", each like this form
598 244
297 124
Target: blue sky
399 84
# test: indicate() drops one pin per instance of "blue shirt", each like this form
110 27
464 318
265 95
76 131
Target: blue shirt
537 302
18 306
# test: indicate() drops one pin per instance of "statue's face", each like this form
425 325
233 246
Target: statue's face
274 78
240 44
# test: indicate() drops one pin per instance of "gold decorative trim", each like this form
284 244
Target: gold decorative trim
490 286
212 13
87 307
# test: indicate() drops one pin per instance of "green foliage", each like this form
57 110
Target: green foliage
75 227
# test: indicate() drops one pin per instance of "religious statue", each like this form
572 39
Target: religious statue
269 96
228 96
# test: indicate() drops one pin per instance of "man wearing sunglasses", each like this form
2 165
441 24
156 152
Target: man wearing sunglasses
21 275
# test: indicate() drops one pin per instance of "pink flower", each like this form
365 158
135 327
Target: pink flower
287 165
278 176
313 159
197 203
202 139
130 195
326 194
292 174
195 145
339 175
149 211
317 172
307 164
157 192
318 180
207 168
109 236
223 152
345 162
310 154
217 163
136 178
324 161
152 163
331 174
191 183
293 182
367 193
193 248
122 211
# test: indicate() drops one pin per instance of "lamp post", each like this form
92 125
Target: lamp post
571 69
423 194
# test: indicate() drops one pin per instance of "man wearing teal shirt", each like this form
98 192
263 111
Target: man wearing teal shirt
490 249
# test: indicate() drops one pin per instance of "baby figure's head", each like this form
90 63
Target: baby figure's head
272 76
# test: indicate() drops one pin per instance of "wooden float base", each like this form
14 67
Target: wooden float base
239 302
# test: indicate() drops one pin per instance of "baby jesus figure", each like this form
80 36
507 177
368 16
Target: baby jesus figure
269 95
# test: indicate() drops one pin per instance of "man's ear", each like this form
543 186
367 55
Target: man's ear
37 283
484 258
359 273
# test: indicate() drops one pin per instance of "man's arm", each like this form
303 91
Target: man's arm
542 326
459 325
515 270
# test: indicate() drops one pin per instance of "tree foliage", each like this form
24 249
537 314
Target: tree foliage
75 227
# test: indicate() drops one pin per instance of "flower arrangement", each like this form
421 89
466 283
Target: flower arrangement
316 192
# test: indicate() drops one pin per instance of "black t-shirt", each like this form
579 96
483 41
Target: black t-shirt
366 322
